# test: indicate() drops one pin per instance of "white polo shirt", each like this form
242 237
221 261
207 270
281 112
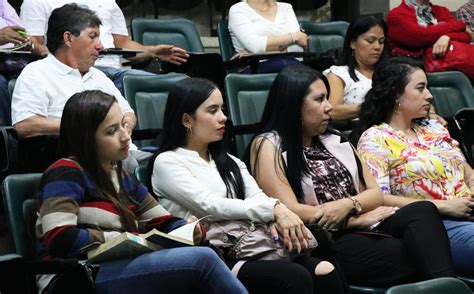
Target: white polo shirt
35 15
44 86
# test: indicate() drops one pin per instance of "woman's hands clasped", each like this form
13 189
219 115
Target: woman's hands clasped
331 215
291 227
461 207
300 38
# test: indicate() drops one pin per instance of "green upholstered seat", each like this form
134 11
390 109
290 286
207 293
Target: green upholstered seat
147 95
435 286
451 91
17 190
468 281
324 36
357 289
179 32
225 41
140 173
246 95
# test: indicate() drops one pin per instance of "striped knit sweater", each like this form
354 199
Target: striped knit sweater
71 213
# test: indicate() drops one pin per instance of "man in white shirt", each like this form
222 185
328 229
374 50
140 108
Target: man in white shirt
113 34
44 86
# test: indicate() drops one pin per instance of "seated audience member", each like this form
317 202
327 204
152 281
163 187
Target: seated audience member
258 26
193 175
318 176
465 13
417 27
113 34
86 197
412 156
44 86
364 47
11 30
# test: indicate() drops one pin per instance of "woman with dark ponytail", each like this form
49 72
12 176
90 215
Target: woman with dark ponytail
413 156
85 197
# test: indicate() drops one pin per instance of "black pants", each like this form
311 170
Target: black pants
418 249
283 277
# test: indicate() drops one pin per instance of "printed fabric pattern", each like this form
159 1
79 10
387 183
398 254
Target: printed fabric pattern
331 179
429 169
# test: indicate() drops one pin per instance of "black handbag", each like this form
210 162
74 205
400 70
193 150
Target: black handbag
79 278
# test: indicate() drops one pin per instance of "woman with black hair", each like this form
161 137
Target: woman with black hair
86 197
317 174
413 156
364 46
192 174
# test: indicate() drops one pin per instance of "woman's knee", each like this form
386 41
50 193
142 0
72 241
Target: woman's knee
424 209
323 268
276 276
205 256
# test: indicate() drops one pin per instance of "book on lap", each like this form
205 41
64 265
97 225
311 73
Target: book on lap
123 246
128 245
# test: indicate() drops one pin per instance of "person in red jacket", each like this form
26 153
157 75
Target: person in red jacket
418 27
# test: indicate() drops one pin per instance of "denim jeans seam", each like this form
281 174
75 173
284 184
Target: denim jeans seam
179 270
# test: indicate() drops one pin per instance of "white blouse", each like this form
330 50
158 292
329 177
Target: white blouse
249 30
188 185
354 92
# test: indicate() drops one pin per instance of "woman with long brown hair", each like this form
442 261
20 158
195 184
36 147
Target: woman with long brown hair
86 197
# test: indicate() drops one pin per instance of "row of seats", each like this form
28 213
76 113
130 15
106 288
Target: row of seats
183 33
246 96
221 6
18 191
322 36
245 99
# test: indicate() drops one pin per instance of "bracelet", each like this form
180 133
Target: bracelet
292 39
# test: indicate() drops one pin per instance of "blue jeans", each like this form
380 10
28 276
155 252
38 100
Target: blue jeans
5 103
461 238
116 74
272 65
174 271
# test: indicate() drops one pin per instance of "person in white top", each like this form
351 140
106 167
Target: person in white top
193 175
113 34
11 35
44 86
258 26
351 79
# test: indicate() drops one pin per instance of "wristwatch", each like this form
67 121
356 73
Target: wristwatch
357 207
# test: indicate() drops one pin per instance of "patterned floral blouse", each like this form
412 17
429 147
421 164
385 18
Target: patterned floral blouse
431 168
